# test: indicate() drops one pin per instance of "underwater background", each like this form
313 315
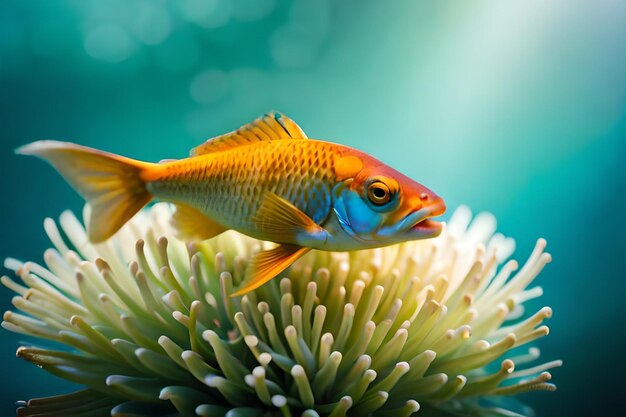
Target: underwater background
517 108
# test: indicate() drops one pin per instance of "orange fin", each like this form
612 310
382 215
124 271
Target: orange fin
267 264
271 126
111 184
191 224
281 221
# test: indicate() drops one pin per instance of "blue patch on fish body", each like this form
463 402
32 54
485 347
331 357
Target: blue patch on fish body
354 217
362 218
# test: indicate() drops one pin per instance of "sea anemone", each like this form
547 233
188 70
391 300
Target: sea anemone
427 327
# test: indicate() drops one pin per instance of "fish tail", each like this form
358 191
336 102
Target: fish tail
111 184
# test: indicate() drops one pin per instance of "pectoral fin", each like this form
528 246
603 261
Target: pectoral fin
267 264
190 224
281 221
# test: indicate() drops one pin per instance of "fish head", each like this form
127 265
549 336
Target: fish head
380 206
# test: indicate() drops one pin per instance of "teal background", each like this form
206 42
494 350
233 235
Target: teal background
515 107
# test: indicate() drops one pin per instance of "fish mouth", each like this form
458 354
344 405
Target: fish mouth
425 226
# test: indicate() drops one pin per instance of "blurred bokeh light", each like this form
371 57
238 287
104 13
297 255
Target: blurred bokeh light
517 107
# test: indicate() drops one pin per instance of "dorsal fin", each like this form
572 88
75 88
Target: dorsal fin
271 126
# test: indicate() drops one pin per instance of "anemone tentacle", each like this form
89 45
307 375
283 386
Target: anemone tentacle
150 328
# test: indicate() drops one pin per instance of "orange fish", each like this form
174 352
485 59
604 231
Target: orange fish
266 180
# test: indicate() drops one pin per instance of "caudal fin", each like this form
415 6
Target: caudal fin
111 184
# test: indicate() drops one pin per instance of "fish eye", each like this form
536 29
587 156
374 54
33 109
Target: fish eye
378 193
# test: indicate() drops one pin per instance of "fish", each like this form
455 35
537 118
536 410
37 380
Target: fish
267 180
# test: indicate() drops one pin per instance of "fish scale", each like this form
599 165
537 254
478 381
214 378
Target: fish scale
228 185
